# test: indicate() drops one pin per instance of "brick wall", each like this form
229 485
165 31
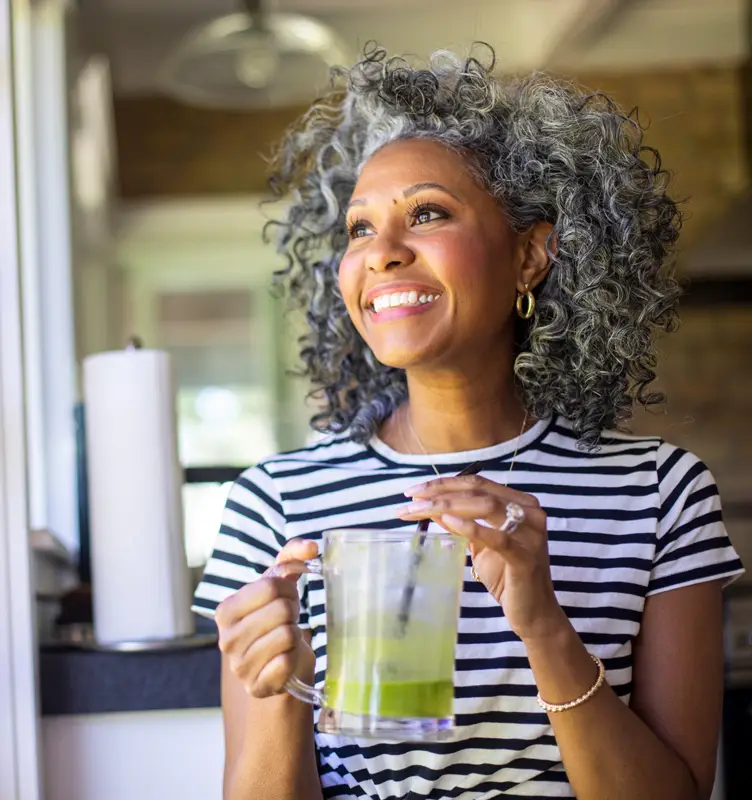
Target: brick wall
696 120
705 368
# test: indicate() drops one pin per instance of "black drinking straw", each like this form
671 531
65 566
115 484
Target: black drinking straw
409 590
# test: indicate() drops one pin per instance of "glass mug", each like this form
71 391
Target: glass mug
390 651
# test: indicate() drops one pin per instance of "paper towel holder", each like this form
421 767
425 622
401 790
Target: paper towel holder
130 405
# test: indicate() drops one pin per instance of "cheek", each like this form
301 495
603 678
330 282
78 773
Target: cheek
471 268
350 282
346 277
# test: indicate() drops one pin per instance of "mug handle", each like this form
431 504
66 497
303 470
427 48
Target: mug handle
294 686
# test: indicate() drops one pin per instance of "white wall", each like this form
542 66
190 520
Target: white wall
155 755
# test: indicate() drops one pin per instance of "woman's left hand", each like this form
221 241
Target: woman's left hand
514 566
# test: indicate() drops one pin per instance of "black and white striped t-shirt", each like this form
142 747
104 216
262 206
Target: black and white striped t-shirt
635 518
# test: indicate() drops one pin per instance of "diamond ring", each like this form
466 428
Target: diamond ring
515 515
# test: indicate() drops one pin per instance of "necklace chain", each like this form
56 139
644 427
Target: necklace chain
433 466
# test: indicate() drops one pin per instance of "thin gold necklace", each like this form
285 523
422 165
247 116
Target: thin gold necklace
433 466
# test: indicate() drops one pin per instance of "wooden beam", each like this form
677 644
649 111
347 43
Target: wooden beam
746 83
166 149
722 291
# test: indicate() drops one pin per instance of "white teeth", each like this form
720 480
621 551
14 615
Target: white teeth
397 299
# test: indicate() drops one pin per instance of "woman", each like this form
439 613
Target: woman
484 267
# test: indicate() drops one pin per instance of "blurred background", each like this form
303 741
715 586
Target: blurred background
142 128
169 127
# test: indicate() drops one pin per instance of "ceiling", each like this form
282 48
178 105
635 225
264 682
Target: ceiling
575 35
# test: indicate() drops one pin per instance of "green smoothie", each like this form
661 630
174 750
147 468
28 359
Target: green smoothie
409 676
431 699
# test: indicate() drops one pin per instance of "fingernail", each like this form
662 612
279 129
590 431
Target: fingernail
413 490
418 507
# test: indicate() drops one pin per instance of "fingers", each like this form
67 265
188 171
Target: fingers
258 630
276 649
251 598
473 484
272 659
262 648
297 550
236 639
255 595
480 537
488 506
290 563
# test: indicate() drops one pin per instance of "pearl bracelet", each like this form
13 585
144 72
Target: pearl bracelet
553 707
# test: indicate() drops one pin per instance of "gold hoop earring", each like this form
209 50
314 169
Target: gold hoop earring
530 303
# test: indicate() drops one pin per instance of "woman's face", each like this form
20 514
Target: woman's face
432 267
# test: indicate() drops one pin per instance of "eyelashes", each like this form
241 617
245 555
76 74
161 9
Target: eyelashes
416 208
355 225
414 211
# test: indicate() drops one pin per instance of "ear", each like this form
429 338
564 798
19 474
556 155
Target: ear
536 261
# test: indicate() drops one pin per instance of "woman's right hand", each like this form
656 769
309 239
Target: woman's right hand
258 627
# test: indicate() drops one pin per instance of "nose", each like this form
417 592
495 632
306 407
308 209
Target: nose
388 252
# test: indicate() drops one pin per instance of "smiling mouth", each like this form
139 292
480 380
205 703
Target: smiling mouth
402 299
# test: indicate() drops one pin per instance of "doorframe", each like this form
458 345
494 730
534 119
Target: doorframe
20 773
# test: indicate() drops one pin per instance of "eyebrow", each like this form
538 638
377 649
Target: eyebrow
411 190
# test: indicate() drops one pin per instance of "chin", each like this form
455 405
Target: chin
405 346
403 357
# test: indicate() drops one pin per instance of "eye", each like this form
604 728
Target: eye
423 213
357 229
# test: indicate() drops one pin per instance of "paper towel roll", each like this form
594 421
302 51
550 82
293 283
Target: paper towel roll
140 577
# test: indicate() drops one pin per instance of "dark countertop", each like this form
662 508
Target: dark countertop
79 680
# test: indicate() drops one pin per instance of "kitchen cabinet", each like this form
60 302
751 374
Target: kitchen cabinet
143 755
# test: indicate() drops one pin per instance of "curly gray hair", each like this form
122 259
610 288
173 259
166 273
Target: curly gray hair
547 152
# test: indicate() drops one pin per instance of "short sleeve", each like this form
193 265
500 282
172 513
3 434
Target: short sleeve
251 534
692 543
